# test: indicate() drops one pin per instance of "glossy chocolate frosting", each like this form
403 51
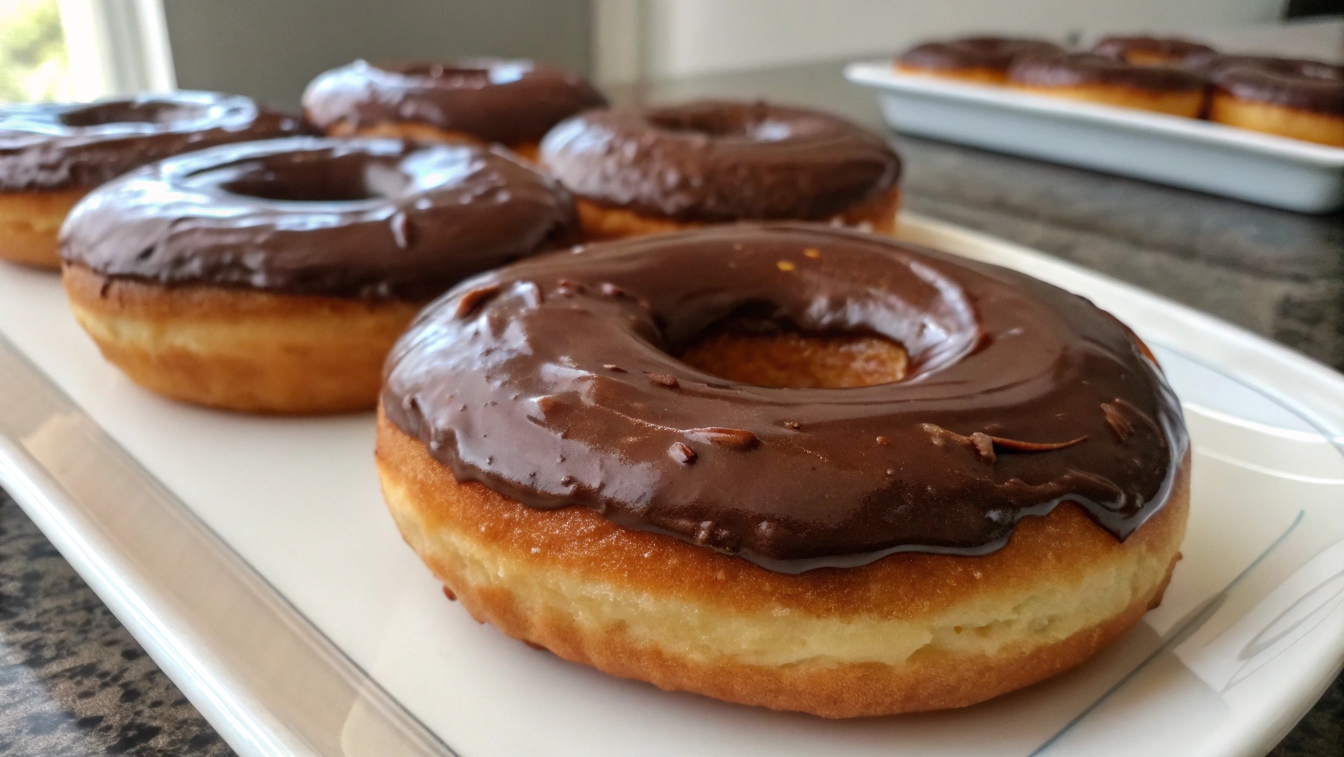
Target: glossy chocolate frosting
1123 47
1085 69
716 161
1291 82
506 101
995 53
53 146
554 381
346 218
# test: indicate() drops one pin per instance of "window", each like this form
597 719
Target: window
33 61
82 49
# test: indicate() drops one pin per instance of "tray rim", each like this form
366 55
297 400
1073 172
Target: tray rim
250 725
882 75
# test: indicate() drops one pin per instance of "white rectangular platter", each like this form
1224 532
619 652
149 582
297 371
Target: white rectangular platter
1183 152
253 559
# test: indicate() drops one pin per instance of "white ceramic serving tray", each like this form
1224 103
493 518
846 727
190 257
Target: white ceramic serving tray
1183 152
253 559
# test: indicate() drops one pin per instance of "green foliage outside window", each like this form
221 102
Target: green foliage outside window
33 64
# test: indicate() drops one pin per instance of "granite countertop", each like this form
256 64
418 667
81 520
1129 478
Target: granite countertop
72 680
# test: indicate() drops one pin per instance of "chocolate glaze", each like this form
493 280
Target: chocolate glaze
715 161
506 101
1169 48
995 53
346 218
1083 69
54 146
554 381
1291 82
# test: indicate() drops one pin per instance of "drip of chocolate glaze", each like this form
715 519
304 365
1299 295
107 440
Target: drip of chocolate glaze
495 100
370 218
55 146
1020 396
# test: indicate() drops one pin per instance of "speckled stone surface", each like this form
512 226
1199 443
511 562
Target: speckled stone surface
73 682
1321 732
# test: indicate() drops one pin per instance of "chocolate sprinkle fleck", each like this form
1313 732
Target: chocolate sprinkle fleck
475 298
662 379
1117 421
1021 446
682 453
984 446
735 438
401 230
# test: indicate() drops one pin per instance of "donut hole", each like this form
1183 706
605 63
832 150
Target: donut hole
308 177
131 112
722 120
465 74
1317 70
777 354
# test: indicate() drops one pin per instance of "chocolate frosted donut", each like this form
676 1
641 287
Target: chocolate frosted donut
1308 85
350 235
1151 51
980 59
510 102
1039 363
637 170
52 154
59 146
1029 432
1097 78
376 219
1291 97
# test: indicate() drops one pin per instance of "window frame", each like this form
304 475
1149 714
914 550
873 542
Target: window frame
117 47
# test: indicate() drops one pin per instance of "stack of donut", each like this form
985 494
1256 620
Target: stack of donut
219 259
1291 97
748 446
272 275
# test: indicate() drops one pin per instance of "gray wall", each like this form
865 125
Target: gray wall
271 49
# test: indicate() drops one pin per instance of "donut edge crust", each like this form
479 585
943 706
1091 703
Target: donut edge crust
601 222
1187 104
968 74
30 223
650 607
239 349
